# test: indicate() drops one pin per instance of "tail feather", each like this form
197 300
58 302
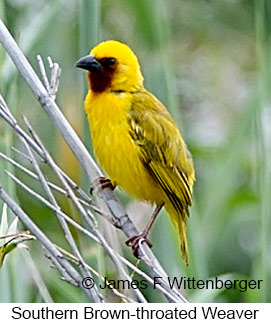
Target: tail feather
183 239
179 221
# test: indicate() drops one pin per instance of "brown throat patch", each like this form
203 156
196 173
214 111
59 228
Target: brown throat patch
100 81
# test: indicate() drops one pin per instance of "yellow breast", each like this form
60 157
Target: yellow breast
114 148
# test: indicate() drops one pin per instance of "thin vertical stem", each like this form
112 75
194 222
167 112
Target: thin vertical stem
89 27
89 33
263 136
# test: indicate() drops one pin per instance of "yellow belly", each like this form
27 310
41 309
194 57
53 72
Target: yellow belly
115 150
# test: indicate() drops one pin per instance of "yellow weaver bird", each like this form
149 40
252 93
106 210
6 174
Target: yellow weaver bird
135 138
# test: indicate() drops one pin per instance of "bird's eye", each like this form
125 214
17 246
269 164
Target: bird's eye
111 61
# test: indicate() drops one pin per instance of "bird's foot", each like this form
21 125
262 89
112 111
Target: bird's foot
101 183
134 241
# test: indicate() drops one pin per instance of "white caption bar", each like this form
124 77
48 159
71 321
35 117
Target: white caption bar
72 312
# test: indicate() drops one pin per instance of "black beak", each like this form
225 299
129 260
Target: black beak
89 63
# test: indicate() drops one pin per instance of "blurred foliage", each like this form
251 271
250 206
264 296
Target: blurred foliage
203 59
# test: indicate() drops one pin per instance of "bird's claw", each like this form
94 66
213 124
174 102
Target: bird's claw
135 240
101 183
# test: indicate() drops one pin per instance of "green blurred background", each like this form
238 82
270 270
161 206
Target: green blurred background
209 62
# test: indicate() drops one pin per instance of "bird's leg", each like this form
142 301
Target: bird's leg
134 240
100 183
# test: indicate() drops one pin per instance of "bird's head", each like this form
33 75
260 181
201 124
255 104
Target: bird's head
112 66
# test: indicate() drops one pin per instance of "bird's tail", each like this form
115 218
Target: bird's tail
183 239
179 221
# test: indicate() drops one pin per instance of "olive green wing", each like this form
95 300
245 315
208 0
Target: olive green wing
162 150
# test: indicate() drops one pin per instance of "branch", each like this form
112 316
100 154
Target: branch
64 266
90 235
85 272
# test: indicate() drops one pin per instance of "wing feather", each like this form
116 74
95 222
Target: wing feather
162 150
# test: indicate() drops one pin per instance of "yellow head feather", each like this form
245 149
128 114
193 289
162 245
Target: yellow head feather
127 76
